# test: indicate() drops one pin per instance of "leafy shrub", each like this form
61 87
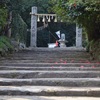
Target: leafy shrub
3 17
6 41
95 49
5 45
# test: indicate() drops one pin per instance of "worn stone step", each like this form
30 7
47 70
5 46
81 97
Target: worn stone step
50 68
57 56
50 64
50 91
48 74
44 61
32 49
73 82
45 52
48 60
48 98
27 53
51 53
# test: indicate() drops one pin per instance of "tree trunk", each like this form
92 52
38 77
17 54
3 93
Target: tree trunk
9 24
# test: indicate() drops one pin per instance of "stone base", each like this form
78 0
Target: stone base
62 45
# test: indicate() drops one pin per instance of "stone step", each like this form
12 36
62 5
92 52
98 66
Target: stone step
46 61
48 98
50 64
50 51
70 82
30 58
50 91
48 74
52 68
49 57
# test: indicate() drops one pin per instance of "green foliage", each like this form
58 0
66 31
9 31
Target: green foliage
42 5
18 24
2 45
95 49
84 12
6 41
19 28
3 16
58 9
21 15
5 45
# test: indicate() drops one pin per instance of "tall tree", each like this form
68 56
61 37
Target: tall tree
85 12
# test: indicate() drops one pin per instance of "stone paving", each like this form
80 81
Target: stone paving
49 74
46 98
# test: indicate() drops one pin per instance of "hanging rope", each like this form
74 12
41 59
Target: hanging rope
53 36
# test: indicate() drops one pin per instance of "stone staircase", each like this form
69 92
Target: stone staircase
49 74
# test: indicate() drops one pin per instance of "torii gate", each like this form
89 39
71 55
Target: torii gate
35 17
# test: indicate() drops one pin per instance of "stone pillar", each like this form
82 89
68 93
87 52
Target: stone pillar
33 37
78 37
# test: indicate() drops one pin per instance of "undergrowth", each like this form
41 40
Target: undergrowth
5 46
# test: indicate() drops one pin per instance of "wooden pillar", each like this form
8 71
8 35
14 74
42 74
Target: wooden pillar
33 41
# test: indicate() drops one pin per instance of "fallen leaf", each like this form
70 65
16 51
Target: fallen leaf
93 66
72 61
56 62
61 60
60 66
87 62
65 62
82 66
